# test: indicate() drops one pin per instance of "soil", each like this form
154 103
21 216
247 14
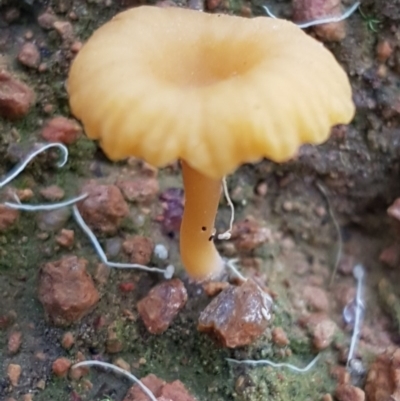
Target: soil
346 183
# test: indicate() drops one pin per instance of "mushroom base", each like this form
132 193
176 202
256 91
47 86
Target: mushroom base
198 253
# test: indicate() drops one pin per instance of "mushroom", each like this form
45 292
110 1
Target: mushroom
213 91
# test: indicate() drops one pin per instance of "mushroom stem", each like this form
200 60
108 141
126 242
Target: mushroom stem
199 256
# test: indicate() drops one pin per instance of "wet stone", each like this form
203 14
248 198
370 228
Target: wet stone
238 315
139 249
16 98
66 290
61 129
162 304
104 208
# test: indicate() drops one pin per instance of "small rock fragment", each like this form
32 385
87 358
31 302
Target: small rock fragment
141 189
394 209
139 249
238 315
104 208
247 235
52 193
316 298
47 19
14 373
14 342
101 274
163 391
310 10
61 367
29 55
65 30
53 220
7 217
66 238
66 290
67 340
61 129
172 199
322 330
11 15
152 382
16 98
121 363
390 256
162 304
347 392
384 50
279 337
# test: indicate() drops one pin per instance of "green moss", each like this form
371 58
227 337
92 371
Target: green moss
56 390
284 385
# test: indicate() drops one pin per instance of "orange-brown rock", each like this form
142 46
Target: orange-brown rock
238 315
104 208
16 98
61 129
139 249
383 378
347 392
66 290
162 304
140 189
163 391
61 367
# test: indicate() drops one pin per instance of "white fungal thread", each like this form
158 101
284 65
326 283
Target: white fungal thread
116 369
21 166
44 207
228 233
276 365
321 21
230 263
358 273
168 272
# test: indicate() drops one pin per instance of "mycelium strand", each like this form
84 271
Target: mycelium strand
199 256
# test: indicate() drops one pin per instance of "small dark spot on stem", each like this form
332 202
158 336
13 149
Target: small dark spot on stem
203 228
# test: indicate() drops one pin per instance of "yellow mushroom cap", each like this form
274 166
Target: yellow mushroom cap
215 90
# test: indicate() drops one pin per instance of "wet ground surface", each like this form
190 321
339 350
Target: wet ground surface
296 208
